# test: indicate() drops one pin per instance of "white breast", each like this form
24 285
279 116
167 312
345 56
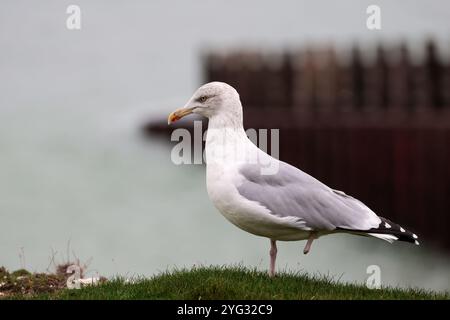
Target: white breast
222 180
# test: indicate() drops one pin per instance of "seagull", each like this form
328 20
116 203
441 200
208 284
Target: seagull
268 197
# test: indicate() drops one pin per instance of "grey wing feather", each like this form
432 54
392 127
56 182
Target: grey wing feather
292 193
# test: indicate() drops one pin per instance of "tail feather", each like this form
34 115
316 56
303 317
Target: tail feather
386 237
388 231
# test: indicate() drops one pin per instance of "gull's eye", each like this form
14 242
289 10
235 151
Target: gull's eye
202 99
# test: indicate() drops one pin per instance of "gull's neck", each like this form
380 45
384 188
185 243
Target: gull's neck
229 121
226 140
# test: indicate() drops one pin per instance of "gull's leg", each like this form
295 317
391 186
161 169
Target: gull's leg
309 243
273 257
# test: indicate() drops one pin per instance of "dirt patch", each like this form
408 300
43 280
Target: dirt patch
22 282
25 283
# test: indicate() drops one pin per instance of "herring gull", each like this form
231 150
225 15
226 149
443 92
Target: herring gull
268 197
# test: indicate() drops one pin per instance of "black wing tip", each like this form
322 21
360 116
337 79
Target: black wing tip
388 227
401 233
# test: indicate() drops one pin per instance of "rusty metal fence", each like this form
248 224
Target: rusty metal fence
375 124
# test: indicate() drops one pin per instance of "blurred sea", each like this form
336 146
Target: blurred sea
74 167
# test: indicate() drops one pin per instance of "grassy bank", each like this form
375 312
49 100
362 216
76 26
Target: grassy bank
227 283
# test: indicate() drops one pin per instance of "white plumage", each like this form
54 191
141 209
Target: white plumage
268 197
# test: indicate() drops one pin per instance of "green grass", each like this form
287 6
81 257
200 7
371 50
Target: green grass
232 283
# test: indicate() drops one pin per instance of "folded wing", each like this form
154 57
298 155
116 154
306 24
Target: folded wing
292 193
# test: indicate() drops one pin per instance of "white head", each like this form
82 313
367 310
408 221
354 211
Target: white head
213 100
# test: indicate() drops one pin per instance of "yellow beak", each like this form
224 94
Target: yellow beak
178 114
